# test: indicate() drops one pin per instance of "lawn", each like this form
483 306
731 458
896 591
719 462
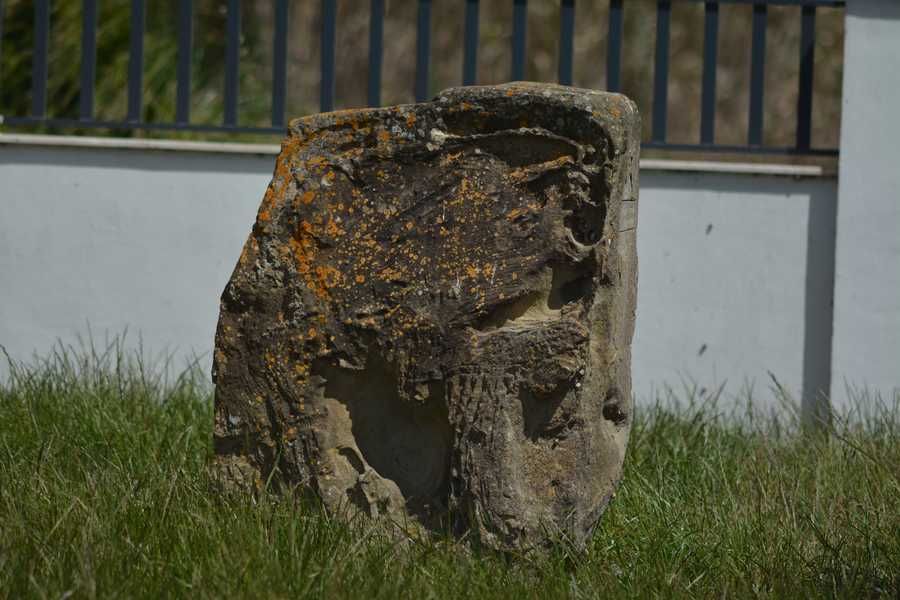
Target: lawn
103 493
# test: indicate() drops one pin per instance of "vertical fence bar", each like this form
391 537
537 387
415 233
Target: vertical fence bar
807 61
757 75
470 50
326 87
136 61
376 51
566 41
183 67
279 63
232 56
423 50
614 47
661 70
39 58
710 59
88 59
520 22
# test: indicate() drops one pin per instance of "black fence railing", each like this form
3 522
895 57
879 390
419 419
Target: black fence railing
806 12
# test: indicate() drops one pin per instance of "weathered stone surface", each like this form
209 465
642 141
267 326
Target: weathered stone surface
433 314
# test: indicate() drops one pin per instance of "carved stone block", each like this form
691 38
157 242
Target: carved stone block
431 319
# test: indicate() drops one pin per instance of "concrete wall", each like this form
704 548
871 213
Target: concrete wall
867 282
724 295
142 239
113 239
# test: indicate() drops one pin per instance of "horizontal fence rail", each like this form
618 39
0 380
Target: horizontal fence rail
469 13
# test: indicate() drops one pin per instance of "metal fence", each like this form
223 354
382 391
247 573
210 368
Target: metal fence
806 12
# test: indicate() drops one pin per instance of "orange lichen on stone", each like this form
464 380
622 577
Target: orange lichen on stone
514 213
221 359
316 162
446 159
267 204
390 274
303 250
333 229
326 277
524 173
251 248
284 162
465 106
468 192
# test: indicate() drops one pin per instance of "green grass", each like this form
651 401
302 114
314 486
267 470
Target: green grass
103 493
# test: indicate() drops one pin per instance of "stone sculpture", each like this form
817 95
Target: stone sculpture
431 319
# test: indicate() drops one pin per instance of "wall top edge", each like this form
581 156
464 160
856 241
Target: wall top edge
647 164
102 143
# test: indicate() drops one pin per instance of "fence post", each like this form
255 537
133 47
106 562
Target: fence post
866 343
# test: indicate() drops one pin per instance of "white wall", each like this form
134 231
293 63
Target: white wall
722 292
146 240
867 285
116 239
